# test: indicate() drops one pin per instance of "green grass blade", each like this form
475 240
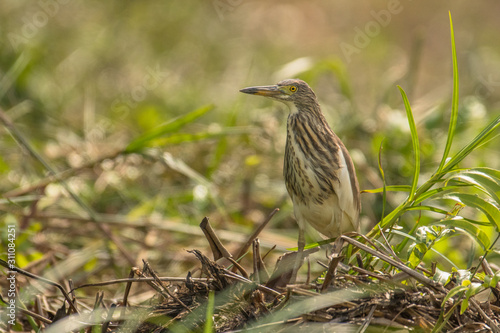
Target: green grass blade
390 188
143 140
471 146
382 174
209 321
428 208
475 222
452 293
180 166
415 143
390 218
439 192
454 104
9 78
180 138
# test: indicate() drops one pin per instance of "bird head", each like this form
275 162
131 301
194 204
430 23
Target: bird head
295 93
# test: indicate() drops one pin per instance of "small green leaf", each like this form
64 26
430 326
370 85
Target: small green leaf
487 281
464 306
452 293
442 277
472 289
416 254
495 279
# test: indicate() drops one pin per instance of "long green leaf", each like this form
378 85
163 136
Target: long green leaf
439 192
428 208
471 146
415 143
493 173
454 104
209 321
390 188
10 77
382 174
143 140
389 218
475 222
178 138
488 209
482 181
470 229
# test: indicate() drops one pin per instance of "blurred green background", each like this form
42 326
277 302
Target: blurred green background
82 79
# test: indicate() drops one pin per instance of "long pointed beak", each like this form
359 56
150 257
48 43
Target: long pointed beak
268 91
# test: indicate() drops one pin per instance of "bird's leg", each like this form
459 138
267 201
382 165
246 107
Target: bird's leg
300 252
334 249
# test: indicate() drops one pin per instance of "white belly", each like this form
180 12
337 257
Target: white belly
331 215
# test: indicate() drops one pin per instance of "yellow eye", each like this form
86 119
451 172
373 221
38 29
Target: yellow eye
293 88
